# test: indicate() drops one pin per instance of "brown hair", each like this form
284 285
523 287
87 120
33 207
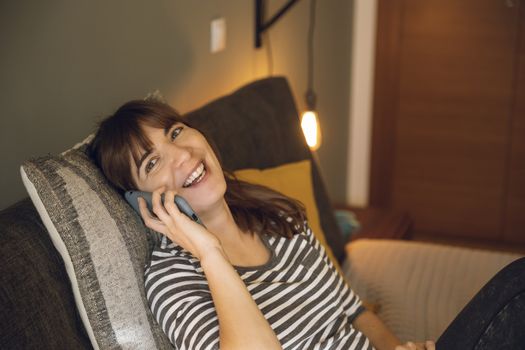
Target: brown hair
254 207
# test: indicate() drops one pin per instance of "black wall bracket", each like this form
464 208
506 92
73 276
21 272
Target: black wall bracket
261 25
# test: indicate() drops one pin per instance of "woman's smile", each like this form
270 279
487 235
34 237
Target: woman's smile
196 177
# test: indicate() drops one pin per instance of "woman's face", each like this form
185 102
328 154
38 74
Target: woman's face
182 160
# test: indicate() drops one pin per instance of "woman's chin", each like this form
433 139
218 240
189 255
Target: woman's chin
204 198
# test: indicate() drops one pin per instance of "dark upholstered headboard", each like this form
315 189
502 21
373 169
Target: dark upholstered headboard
258 126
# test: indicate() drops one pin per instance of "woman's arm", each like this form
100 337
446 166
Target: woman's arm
241 323
376 331
366 322
381 337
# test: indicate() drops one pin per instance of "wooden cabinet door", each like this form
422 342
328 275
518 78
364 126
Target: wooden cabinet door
514 225
444 119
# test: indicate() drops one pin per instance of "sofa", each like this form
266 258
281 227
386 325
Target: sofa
416 288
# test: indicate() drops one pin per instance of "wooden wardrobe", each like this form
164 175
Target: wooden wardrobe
448 141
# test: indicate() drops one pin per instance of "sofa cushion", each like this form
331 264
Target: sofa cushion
38 309
420 287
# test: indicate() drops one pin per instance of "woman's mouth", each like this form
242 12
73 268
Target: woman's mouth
196 177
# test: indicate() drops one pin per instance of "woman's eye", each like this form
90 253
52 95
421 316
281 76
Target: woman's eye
176 132
150 165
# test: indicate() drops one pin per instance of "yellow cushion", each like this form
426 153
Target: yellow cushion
293 180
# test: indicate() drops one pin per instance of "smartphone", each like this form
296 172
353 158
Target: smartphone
182 204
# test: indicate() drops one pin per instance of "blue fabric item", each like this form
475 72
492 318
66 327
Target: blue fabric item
347 222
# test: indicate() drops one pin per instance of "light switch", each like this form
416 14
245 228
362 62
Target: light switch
218 35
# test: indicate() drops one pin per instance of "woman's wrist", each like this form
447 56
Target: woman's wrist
212 256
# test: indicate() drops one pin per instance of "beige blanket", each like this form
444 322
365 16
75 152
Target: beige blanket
419 287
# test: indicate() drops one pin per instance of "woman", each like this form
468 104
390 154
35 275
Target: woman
255 277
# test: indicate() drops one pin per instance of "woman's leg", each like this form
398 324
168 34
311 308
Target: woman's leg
494 318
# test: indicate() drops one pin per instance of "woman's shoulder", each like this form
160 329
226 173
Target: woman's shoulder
301 232
303 228
297 226
304 231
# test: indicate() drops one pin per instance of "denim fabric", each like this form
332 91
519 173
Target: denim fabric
494 318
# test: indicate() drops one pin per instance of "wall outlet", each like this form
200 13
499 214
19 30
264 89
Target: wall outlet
217 35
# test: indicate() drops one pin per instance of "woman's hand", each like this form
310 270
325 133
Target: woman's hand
175 225
428 345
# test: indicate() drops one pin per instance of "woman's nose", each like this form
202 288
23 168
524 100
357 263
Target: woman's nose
178 155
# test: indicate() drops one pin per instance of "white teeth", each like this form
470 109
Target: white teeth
196 174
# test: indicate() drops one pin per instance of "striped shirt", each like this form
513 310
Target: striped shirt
299 291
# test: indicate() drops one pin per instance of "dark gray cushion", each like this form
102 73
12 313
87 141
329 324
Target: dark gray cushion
37 306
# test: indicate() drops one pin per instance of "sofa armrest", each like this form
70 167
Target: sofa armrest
418 287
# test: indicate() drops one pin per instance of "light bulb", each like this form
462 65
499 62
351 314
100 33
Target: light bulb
311 129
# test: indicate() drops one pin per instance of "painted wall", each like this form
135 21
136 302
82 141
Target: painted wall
66 64
361 100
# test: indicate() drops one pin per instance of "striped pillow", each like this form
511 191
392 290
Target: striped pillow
104 246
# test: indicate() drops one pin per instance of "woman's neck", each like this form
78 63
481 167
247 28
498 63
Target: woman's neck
219 221
241 248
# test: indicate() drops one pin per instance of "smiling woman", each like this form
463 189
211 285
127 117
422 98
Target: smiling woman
147 145
255 276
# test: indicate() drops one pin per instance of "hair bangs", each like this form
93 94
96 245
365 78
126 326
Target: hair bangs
138 143
158 119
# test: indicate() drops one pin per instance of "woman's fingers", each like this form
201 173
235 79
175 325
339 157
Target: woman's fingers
157 205
407 346
169 203
150 221
144 211
171 208
167 212
404 347
430 345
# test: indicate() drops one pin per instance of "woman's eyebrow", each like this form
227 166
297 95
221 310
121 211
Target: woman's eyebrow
144 156
168 128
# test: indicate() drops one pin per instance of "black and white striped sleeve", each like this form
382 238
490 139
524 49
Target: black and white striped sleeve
353 304
181 302
308 232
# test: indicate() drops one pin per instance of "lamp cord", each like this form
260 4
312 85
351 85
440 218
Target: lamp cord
269 53
310 94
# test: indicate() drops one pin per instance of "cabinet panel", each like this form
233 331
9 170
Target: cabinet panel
453 96
515 208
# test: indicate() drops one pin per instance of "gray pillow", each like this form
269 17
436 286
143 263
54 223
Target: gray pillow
104 245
